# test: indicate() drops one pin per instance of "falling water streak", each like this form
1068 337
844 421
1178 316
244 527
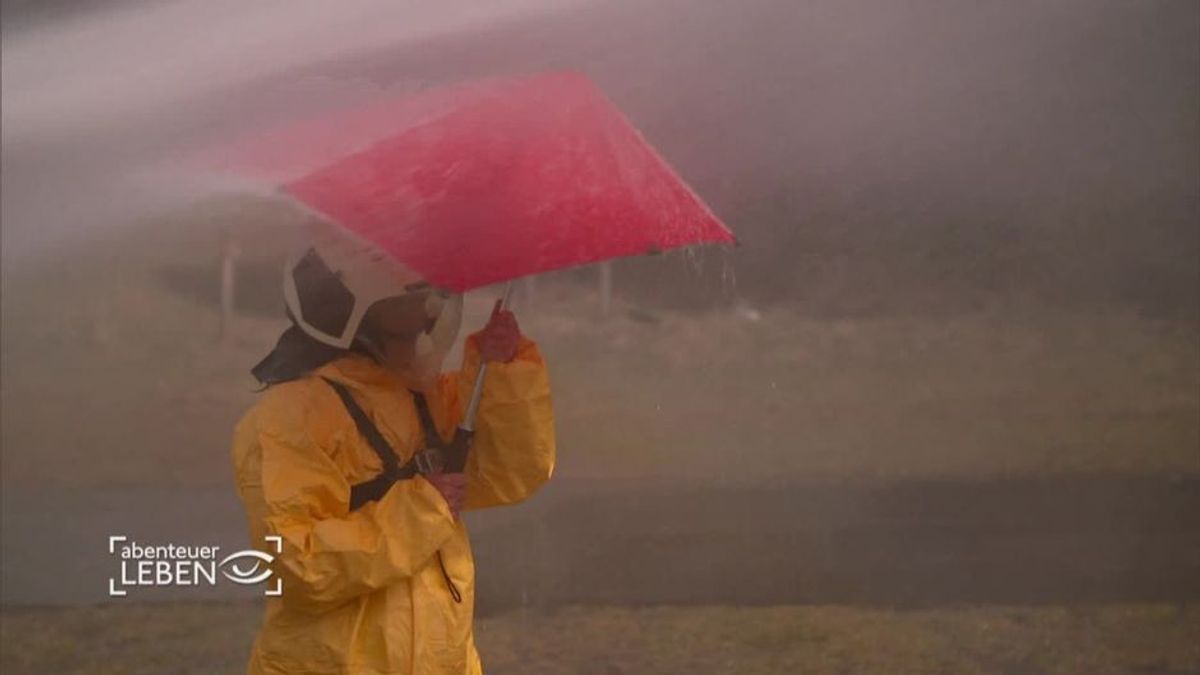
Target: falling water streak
728 275
693 260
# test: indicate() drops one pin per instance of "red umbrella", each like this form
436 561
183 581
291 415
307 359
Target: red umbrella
487 181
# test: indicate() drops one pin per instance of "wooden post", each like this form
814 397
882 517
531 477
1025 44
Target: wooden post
229 254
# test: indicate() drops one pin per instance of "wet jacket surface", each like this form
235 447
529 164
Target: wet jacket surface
366 591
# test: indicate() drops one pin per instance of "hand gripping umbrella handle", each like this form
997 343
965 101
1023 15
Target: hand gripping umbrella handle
456 461
468 422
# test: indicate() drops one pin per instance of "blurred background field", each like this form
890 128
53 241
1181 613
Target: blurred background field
215 639
123 336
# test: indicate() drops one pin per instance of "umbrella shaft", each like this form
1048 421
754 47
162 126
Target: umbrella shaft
468 422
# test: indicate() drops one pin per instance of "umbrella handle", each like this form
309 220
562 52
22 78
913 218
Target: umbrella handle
468 423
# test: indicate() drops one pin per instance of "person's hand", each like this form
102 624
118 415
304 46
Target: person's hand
499 339
453 487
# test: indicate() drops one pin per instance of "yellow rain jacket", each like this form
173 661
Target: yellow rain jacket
374 590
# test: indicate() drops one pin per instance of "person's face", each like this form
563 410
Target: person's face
395 324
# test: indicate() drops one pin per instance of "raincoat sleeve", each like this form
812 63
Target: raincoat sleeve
330 554
513 450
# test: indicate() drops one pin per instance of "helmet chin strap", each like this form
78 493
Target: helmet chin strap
370 347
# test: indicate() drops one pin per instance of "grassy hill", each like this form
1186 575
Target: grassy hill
114 373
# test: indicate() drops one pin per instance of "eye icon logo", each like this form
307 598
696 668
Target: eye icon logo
172 564
257 571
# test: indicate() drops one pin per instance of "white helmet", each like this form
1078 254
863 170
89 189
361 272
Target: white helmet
332 281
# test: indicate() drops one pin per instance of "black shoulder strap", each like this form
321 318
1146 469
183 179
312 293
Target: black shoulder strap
367 428
377 487
432 438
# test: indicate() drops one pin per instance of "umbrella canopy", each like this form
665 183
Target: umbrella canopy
489 181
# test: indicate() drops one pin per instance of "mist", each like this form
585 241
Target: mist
1006 136
947 386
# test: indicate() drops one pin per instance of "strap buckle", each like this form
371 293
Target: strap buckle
430 461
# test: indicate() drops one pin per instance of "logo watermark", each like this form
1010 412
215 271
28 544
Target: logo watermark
170 564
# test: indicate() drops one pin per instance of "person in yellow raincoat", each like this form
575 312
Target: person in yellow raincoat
385 586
